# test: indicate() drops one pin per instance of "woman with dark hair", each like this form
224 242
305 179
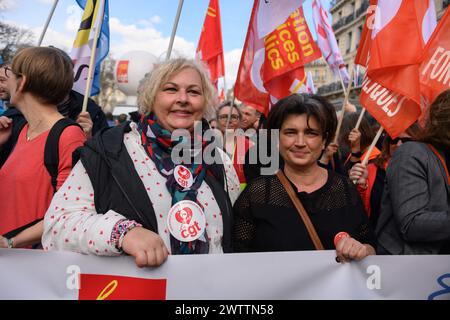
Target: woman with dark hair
370 179
266 218
356 141
415 211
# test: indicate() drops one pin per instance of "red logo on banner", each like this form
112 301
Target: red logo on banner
106 287
122 71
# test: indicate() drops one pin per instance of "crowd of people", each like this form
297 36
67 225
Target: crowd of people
71 181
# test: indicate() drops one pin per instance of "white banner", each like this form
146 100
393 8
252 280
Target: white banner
32 274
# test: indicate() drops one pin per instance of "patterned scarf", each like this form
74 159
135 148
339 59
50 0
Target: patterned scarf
158 144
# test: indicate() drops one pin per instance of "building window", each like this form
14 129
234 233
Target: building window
349 42
339 15
358 35
352 6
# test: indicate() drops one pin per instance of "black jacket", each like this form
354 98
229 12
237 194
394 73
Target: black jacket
117 185
97 115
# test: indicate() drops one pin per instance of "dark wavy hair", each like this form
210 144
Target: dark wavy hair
436 130
310 104
349 123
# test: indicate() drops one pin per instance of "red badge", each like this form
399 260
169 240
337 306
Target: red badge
186 221
183 176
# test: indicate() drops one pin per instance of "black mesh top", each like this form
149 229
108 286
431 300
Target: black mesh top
265 218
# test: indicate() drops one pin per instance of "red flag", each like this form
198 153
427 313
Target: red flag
210 48
222 95
435 68
272 62
366 40
107 287
391 90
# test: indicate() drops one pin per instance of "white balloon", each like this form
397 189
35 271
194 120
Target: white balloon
139 64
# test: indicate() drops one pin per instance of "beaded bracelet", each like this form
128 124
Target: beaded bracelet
120 230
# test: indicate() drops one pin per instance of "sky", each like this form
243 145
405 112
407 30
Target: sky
142 25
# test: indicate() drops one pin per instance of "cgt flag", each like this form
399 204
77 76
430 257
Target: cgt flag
391 89
435 68
82 46
210 48
277 46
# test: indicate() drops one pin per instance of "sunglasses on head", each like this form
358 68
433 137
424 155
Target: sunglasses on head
402 139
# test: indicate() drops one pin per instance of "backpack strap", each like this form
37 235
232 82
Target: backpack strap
51 151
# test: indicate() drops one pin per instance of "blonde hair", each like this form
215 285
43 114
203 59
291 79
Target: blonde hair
162 72
48 72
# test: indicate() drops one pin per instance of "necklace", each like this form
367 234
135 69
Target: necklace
33 131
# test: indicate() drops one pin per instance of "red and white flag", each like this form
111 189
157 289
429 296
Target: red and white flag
327 41
435 68
222 95
277 46
310 83
210 48
391 89
366 35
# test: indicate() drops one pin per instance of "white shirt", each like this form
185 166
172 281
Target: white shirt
71 222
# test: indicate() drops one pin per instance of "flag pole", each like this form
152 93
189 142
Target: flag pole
342 82
87 92
225 87
174 29
49 18
363 110
228 124
346 97
374 142
361 116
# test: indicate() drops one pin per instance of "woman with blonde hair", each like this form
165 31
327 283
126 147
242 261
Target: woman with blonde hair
128 194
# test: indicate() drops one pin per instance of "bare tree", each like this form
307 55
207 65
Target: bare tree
13 38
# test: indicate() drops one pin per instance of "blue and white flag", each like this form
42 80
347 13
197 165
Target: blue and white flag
82 47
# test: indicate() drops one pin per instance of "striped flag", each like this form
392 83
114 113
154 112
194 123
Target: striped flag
327 41
82 46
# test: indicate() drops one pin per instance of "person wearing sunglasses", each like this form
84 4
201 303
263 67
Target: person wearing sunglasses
370 179
415 210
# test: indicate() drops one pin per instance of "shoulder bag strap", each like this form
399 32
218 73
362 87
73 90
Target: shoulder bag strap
301 210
